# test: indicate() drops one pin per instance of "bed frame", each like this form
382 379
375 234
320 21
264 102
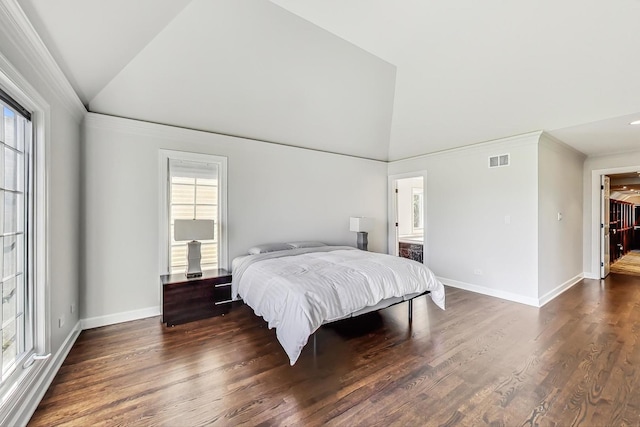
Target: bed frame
385 304
380 306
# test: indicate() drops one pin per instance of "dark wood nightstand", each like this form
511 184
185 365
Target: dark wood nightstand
185 300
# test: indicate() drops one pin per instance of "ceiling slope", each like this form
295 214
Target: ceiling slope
376 79
252 69
472 71
93 40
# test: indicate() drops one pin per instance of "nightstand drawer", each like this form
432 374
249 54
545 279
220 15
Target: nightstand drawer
222 293
185 300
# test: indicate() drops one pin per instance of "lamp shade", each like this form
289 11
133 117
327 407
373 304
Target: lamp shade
360 223
193 229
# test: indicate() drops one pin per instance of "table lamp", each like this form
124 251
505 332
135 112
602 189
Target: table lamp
361 225
193 230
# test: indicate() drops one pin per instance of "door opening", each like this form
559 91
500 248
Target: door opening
409 206
620 224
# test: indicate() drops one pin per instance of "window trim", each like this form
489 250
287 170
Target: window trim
14 397
163 208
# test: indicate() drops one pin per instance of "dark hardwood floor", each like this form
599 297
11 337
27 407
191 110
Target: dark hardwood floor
483 361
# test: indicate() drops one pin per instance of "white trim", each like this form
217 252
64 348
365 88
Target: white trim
530 138
15 24
18 88
27 403
552 294
553 143
595 258
509 296
165 131
163 210
391 211
126 316
490 292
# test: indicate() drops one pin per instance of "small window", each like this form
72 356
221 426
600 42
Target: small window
195 189
193 195
417 200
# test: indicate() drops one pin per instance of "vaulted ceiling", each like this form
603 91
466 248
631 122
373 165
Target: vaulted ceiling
376 79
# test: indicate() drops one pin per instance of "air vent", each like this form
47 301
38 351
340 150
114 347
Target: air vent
499 161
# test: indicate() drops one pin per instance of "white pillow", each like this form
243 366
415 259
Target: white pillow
307 244
269 247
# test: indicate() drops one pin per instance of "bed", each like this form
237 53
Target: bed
297 287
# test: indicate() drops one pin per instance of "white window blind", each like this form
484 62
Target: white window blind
194 193
15 224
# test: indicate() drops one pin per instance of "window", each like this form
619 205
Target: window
16 213
193 195
195 189
24 315
417 214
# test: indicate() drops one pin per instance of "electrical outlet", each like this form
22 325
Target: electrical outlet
61 321
477 272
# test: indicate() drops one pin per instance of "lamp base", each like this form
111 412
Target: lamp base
363 241
193 259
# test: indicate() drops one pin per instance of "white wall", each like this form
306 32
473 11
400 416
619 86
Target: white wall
594 167
29 74
63 181
559 241
466 206
252 69
275 193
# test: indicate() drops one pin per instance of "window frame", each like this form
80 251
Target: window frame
17 392
164 204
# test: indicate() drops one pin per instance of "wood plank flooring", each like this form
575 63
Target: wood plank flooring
483 361
628 264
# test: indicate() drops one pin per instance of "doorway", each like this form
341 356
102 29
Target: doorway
620 238
408 217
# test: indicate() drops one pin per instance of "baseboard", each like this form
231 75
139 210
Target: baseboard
27 404
535 302
490 292
127 316
560 289
592 276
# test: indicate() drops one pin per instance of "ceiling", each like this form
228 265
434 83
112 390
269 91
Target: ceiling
376 79
625 185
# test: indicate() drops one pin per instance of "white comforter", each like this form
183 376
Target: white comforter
298 290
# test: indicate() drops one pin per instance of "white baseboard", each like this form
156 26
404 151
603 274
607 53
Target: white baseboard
560 289
27 404
535 302
127 316
490 292
592 276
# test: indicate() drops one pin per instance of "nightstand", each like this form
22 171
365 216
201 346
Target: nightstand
185 300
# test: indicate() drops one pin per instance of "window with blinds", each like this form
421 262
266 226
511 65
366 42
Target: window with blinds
15 214
194 192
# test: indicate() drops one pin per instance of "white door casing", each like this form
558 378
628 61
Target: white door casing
605 258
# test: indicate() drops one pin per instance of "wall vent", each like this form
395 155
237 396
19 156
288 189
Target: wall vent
499 161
